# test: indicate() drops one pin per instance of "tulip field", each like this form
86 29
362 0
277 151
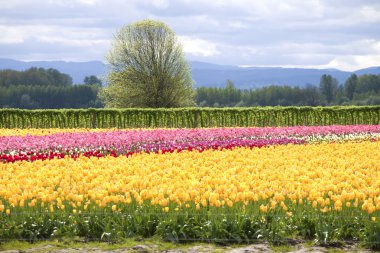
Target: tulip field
224 185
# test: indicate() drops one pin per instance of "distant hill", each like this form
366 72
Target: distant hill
254 77
371 70
205 74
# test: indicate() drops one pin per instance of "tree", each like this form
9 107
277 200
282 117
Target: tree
311 95
233 95
26 102
328 86
350 86
148 68
92 80
368 83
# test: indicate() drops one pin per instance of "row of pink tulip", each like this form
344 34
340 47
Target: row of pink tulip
199 146
125 141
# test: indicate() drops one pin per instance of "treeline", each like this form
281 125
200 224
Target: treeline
45 97
357 90
39 88
34 77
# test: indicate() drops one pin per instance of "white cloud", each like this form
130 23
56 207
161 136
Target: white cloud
352 63
89 2
75 42
357 60
341 33
259 9
72 3
370 14
238 25
6 4
198 47
10 35
355 47
159 4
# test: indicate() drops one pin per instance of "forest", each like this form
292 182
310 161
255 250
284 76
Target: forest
39 88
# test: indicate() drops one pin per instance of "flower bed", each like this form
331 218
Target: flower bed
224 185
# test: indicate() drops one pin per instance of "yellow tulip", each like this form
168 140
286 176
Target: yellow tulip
337 176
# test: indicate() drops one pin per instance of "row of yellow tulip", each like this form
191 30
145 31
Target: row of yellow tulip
325 176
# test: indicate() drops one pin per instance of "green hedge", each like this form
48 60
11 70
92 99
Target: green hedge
189 117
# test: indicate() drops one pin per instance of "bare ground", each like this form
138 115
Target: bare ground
193 248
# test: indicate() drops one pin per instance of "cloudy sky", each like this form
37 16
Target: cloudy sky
343 34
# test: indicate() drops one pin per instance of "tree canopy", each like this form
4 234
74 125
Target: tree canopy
148 68
34 76
92 80
329 87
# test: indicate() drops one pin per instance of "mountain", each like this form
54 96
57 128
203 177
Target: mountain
371 70
254 77
205 74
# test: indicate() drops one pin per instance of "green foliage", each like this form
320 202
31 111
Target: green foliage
37 96
148 68
189 117
45 88
34 77
350 86
328 87
368 83
362 90
372 235
266 96
92 80
224 225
